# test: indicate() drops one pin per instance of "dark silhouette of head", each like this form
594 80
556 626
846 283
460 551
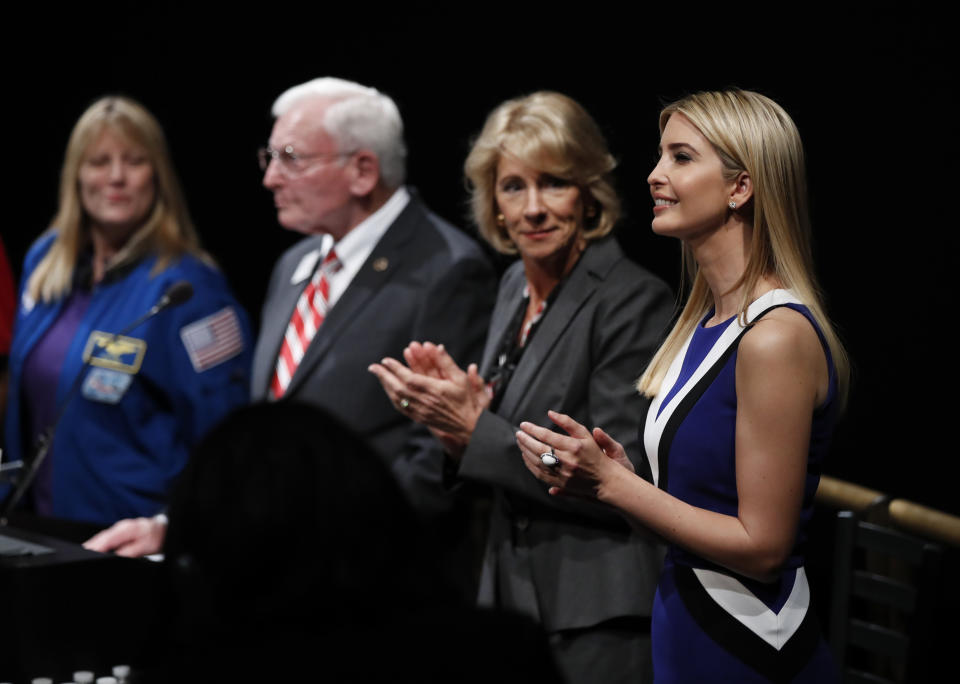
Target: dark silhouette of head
284 524
291 546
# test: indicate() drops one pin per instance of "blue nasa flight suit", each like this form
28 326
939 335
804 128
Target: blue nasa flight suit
146 399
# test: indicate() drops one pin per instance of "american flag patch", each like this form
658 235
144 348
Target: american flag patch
212 340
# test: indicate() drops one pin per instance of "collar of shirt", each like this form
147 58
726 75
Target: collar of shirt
354 248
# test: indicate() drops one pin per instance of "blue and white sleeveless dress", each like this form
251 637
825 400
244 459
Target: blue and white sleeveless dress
709 623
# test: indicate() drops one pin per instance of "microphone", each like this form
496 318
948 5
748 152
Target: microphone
175 295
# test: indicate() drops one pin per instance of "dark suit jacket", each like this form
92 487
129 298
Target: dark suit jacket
570 563
424 280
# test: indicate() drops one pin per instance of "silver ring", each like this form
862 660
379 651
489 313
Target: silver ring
549 459
404 404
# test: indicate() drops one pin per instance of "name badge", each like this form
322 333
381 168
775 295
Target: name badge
121 353
305 268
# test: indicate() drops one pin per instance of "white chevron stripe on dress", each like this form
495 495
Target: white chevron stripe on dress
655 424
774 628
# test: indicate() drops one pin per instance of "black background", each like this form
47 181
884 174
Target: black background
868 90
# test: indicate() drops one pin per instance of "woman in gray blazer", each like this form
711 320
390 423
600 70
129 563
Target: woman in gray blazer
574 323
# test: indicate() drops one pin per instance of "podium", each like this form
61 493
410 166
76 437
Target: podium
64 608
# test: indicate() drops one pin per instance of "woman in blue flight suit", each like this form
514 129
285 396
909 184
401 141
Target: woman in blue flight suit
121 238
6 326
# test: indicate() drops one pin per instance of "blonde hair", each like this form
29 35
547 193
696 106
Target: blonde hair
752 133
550 132
167 230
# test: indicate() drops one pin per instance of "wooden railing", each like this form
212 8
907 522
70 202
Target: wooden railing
879 507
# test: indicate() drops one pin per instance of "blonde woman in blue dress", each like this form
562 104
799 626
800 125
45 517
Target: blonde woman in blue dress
745 392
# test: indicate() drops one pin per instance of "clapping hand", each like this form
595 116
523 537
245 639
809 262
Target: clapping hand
584 460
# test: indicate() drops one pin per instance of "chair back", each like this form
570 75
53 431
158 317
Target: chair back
884 588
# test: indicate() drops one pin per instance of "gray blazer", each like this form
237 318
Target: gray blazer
424 280
570 563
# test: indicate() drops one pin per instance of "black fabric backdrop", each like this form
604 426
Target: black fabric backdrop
867 90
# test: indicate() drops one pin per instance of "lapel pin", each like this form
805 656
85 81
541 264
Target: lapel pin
380 264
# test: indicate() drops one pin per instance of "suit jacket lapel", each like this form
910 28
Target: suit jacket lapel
276 318
513 289
385 259
580 286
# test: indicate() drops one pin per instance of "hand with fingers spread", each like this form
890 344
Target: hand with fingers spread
586 460
426 359
434 391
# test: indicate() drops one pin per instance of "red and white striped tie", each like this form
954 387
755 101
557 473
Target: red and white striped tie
307 316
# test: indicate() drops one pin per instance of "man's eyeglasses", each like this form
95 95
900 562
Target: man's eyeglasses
290 161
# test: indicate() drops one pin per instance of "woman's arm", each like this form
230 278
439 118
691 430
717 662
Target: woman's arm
588 374
781 377
208 345
626 326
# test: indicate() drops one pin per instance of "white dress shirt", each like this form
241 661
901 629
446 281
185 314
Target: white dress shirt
354 248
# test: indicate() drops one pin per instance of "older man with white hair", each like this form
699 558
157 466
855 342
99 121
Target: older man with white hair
388 271
375 271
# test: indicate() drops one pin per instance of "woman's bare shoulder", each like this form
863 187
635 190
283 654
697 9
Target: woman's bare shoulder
782 347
